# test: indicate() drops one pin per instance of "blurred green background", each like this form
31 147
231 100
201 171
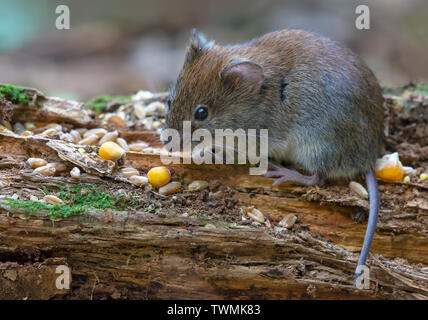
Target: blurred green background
119 47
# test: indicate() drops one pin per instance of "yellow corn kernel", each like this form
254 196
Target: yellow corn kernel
36 162
51 199
423 176
406 179
141 180
389 168
129 172
45 170
111 151
159 176
90 140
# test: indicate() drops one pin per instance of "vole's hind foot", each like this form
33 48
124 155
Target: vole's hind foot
289 175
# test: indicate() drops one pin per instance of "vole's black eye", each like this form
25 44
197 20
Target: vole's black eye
201 113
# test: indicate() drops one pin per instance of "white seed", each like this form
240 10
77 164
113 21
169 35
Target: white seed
116 120
36 162
129 172
55 126
148 123
406 179
33 198
156 124
99 132
155 108
75 135
26 133
141 180
51 199
210 226
19 128
49 132
409 171
142 95
59 166
29 126
110 136
2 184
5 130
170 188
66 137
45 170
7 125
91 140
288 221
148 150
75 173
358 189
138 146
139 111
81 131
256 215
197 185
216 195
122 142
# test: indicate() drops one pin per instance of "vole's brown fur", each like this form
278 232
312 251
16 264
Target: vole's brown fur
319 101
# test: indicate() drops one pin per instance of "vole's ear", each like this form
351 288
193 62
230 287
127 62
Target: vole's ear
243 73
198 44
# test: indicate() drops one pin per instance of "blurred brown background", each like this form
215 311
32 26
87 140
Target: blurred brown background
119 47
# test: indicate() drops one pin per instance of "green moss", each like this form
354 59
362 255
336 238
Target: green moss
14 94
77 200
422 88
99 103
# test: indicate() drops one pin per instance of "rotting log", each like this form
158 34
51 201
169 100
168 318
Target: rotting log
146 256
141 255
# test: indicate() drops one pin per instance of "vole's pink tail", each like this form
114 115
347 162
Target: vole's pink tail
374 200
